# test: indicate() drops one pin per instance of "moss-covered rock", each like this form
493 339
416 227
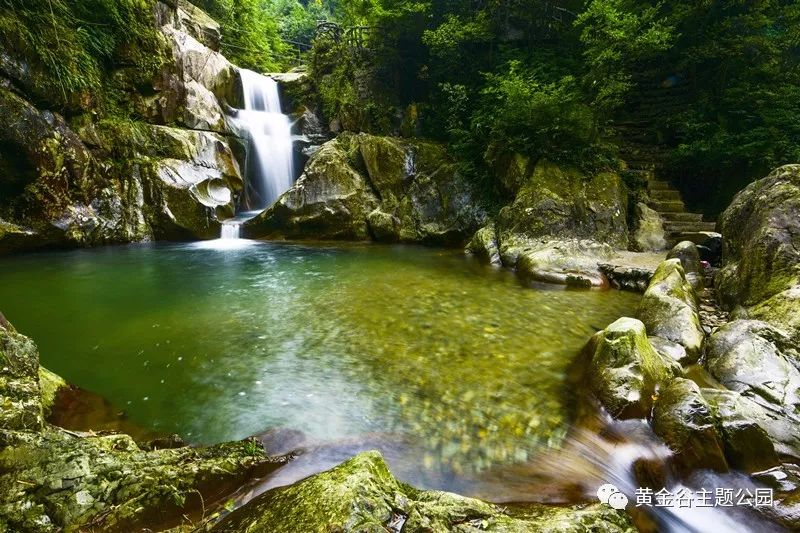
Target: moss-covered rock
331 200
625 369
484 245
648 235
683 418
669 308
363 186
563 203
20 393
761 232
742 423
689 256
572 262
362 495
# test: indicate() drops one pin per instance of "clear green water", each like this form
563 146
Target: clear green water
457 361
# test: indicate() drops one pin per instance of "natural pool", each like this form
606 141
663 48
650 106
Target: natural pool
450 365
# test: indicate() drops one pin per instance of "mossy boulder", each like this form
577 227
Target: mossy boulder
742 424
362 495
625 369
564 203
363 186
571 262
331 200
669 308
762 364
20 393
689 256
484 245
761 230
683 418
648 232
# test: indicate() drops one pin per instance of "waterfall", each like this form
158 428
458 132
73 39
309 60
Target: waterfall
270 160
230 230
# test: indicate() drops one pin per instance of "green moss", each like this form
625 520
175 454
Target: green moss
362 495
49 383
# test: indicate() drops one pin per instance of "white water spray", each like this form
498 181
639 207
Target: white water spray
230 230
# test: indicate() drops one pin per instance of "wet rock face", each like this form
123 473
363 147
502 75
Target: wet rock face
761 249
761 363
362 495
626 370
366 187
684 419
669 308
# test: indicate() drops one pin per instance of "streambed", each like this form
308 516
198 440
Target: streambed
453 367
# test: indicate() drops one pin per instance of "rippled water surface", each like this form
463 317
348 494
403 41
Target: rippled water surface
449 365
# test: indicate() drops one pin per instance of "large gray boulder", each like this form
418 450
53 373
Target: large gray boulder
762 364
684 419
625 369
761 250
669 308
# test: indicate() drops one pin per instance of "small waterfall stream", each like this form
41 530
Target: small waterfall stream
270 159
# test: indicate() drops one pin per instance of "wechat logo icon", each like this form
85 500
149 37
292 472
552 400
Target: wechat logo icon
610 495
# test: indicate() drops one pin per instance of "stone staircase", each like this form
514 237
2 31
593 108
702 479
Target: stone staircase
679 224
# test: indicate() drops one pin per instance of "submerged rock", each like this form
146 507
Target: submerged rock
362 495
669 308
626 370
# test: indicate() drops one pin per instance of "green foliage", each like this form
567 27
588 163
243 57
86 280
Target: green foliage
71 44
250 33
617 35
534 118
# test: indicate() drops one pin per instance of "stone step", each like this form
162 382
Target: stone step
697 237
682 217
671 206
665 195
688 227
655 185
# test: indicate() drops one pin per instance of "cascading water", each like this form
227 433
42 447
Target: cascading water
270 162
270 159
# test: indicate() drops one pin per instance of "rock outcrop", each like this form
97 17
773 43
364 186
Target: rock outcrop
96 177
362 495
559 227
362 187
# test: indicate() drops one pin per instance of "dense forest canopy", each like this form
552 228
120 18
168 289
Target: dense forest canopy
714 85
